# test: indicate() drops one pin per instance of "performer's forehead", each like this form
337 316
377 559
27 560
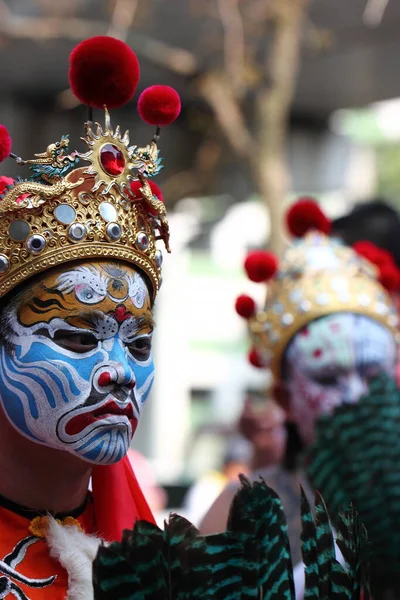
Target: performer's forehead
78 288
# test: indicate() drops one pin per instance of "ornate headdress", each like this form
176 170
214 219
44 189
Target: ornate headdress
106 209
317 276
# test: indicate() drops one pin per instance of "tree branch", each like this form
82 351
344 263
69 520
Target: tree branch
218 94
273 109
122 18
234 42
374 11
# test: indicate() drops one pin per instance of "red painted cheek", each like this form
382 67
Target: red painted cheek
318 353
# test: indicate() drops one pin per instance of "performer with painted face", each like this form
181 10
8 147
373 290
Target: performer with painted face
79 273
328 333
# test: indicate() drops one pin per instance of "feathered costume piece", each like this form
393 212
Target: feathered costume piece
250 560
348 466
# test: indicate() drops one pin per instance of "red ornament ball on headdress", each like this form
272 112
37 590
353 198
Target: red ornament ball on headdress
4 182
389 277
135 187
260 266
305 215
254 359
103 70
159 105
245 306
5 143
378 256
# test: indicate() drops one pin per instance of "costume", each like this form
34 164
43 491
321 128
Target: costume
76 365
328 332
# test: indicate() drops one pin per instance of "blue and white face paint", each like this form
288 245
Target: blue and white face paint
75 360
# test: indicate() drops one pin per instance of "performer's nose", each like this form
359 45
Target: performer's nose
116 375
104 379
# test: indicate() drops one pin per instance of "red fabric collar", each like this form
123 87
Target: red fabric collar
118 500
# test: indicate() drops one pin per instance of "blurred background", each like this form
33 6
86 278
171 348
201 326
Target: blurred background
279 98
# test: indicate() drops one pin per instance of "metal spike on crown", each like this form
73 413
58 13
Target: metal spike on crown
109 208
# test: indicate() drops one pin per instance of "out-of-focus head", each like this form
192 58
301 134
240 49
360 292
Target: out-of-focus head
264 426
236 458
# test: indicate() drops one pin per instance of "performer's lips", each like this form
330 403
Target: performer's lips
111 408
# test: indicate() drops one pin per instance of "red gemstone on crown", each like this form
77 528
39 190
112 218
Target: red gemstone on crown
112 160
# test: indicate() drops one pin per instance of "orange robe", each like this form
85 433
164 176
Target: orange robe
25 563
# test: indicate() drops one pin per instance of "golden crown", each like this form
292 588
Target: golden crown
317 276
107 209
87 213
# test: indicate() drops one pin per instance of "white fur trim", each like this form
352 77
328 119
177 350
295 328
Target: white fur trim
76 552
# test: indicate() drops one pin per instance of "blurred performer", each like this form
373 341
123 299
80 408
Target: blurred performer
328 334
79 273
203 492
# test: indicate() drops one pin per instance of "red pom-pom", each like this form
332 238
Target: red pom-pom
389 277
245 306
4 182
103 70
5 143
367 250
159 105
378 256
305 215
135 187
254 359
260 266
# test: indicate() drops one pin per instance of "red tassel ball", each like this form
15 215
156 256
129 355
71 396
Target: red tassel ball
159 105
4 182
260 266
305 215
389 277
254 359
5 143
378 256
245 306
103 70
135 187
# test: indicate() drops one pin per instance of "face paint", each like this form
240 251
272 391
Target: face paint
75 360
331 361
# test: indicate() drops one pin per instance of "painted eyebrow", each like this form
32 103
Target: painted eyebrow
142 321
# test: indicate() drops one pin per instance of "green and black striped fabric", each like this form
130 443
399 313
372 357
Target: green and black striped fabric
356 460
251 560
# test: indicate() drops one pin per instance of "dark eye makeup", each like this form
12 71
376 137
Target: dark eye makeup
140 348
81 342
75 341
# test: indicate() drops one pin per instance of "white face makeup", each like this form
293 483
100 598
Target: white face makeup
330 362
75 360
